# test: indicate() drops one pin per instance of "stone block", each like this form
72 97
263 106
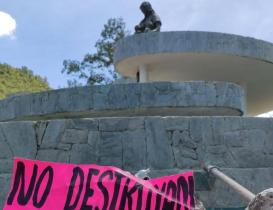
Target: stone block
65 147
93 142
233 139
121 124
249 123
184 150
53 155
159 150
69 101
111 149
21 137
82 124
176 123
6 166
83 154
134 150
40 128
133 92
74 136
93 138
220 93
5 183
219 156
243 144
5 149
53 134
224 124
122 93
44 101
201 130
100 97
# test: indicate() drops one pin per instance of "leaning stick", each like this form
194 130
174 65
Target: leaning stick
245 193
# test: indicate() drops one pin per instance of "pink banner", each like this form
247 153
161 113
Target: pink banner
56 186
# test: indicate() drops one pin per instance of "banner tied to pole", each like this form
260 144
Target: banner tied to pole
56 186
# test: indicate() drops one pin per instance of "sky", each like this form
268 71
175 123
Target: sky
41 34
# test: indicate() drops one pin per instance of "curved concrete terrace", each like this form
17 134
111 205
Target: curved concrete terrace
145 99
209 56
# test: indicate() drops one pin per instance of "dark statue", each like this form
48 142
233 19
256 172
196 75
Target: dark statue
151 21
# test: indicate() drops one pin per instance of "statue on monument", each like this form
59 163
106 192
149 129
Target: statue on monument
151 21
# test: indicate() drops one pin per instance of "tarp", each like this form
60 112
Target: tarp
58 186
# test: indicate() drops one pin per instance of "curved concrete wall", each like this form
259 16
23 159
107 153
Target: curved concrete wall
167 145
193 41
209 56
163 99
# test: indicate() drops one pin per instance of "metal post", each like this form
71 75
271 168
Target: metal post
245 193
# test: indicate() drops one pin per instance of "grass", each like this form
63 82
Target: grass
18 80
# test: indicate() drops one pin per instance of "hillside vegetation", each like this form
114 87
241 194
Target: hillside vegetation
16 80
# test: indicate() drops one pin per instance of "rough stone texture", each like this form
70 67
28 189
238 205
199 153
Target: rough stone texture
111 148
159 149
135 150
52 134
53 155
167 145
5 180
83 154
257 180
160 99
6 165
18 139
75 136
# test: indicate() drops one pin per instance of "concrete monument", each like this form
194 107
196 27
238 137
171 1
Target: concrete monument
193 104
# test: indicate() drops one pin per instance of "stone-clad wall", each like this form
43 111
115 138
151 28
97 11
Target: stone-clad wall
244 146
196 98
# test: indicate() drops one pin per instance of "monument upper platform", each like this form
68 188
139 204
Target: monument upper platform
209 56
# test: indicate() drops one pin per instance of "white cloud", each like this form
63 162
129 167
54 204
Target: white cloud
7 25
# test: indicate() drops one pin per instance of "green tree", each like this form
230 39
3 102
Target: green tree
97 68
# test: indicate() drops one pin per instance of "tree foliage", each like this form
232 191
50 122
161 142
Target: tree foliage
97 68
16 80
